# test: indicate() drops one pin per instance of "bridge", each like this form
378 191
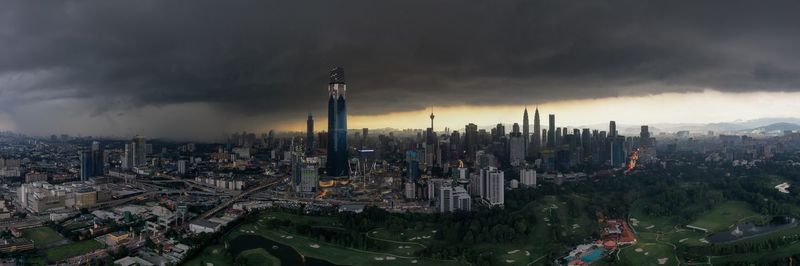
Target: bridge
227 203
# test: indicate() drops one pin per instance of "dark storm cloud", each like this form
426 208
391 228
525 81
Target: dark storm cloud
271 57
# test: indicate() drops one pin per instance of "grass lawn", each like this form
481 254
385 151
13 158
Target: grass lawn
72 249
510 254
258 256
648 253
684 236
42 236
759 256
309 247
645 223
212 254
424 235
725 215
318 249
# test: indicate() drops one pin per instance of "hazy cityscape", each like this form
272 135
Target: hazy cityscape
361 133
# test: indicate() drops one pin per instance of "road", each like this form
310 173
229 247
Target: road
227 203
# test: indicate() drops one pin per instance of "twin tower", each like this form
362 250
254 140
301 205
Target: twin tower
337 164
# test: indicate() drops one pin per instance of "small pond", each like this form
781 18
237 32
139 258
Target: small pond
750 229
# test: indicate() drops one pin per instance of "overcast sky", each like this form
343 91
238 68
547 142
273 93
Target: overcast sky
199 69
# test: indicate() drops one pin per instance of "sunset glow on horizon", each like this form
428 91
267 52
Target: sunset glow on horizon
708 106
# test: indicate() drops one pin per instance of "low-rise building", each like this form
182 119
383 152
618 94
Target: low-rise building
203 226
15 245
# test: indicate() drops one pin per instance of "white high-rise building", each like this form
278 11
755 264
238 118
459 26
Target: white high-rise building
527 177
129 158
410 190
433 187
309 176
182 167
461 199
445 199
453 199
492 186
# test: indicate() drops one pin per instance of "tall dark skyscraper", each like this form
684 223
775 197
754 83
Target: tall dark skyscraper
309 135
337 124
140 156
525 131
471 141
644 137
92 162
612 129
551 131
537 131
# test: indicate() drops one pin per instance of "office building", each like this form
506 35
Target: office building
140 150
92 162
527 177
617 154
337 165
516 147
309 175
454 199
309 136
644 137
551 131
182 167
129 156
525 132
537 132
612 129
410 190
491 186
471 141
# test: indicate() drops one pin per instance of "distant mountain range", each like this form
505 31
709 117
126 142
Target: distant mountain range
755 125
783 126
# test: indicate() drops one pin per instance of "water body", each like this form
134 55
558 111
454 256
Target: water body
286 254
748 230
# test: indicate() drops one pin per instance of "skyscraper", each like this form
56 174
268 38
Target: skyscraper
551 131
86 165
471 141
309 135
537 131
644 137
525 131
337 124
140 151
364 135
491 186
129 160
516 146
558 136
92 162
612 129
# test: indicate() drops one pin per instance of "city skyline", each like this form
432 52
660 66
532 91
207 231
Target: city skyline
573 114
414 132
